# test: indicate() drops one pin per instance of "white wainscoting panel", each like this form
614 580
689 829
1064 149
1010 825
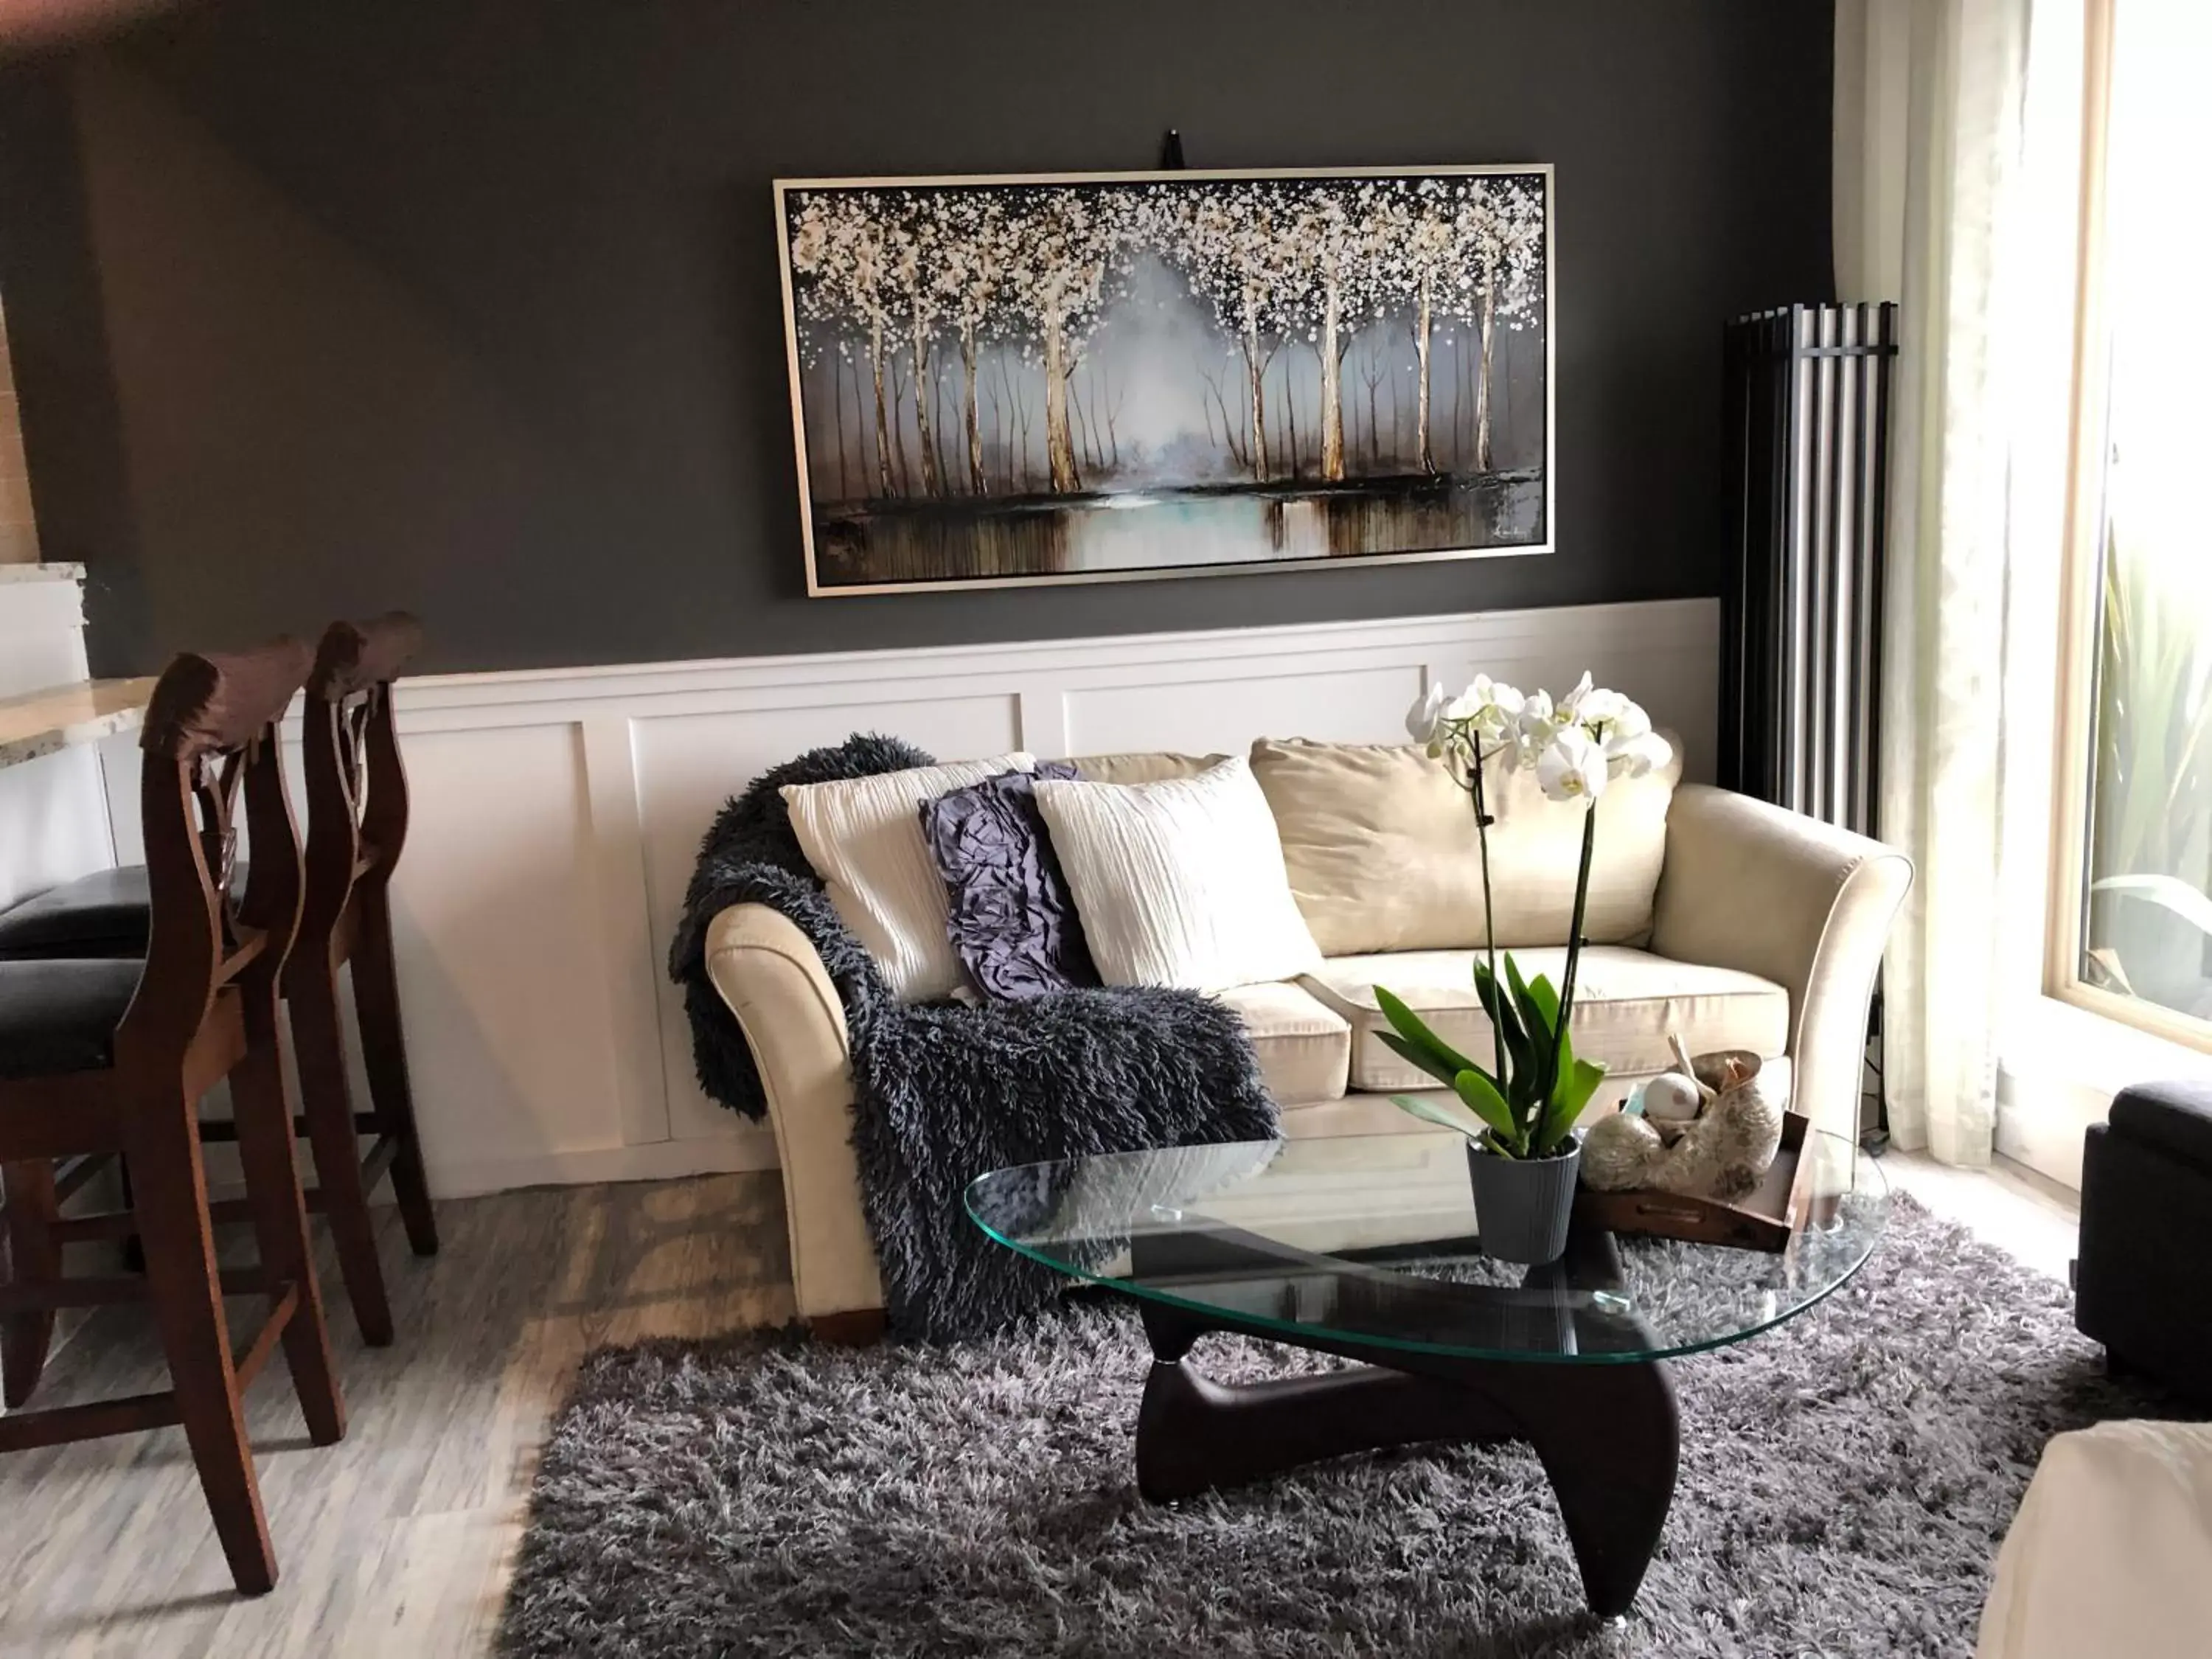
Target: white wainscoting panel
557 814
516 1046
53 822
1328 702
53 810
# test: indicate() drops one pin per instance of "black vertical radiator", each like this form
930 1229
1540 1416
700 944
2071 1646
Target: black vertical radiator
1808 408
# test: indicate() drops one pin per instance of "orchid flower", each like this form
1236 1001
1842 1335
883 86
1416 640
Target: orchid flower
1573 767
1607 715
1632 747
1624 730
1424 721
1533 730
1597 709
1489 706
1637 756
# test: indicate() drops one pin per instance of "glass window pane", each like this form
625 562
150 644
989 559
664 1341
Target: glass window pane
2148 921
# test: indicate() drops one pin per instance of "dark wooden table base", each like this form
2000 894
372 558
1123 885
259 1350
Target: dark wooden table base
1607 1434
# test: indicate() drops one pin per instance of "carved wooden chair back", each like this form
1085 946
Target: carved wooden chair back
211 739
357 825
356 785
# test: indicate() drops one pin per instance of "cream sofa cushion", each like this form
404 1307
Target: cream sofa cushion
1178 881
1305 1050
1627 1001
1362 1112
863 836
1380 847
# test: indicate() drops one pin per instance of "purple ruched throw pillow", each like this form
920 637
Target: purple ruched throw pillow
1012 920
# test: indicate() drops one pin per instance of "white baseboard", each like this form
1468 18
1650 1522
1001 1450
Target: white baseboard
751 1148
2047 1136
2061 1066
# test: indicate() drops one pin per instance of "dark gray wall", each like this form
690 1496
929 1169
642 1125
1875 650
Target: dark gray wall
470 305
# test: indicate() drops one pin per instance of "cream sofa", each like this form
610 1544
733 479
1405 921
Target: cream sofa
1764 931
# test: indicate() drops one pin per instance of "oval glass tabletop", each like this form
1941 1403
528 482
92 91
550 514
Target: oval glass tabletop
1371 1241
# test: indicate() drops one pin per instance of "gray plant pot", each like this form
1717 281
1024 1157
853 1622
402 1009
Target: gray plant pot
1523 1205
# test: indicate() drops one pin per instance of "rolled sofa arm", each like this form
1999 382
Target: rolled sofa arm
1755 887
773 982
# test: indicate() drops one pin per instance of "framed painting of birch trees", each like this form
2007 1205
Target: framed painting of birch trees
1097 377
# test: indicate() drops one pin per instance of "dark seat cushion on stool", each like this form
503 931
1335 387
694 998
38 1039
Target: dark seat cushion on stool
61 1016
2176 1117
105 914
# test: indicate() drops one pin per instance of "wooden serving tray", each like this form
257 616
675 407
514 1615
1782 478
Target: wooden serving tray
1763 1220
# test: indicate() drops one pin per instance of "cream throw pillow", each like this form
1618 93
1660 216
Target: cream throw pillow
1379 844
1179 882
863 836
1142 766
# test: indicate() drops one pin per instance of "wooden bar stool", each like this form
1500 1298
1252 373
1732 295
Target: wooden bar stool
356 790
357 824
101 1058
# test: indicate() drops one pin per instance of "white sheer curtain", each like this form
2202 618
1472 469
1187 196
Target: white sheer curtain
1936 207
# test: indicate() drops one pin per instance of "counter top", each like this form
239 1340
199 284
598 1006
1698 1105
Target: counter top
40 722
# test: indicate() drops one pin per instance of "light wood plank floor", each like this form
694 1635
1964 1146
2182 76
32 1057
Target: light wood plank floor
399 1541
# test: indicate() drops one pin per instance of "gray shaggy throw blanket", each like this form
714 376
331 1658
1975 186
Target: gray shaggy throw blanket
944 1093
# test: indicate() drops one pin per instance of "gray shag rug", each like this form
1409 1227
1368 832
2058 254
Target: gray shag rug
1845 1481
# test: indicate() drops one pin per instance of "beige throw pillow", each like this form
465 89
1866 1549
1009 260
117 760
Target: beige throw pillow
863 836
1140 766
1179 882
1379 844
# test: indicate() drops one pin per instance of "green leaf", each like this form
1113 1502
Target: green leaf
1479 1091
1580 1084
1562 1058
1552 1122
1532 1012
1416 1042
1579 1081
1419 1058
1547 1000
1543 1047
1519 1081
1429 1111
1412 1027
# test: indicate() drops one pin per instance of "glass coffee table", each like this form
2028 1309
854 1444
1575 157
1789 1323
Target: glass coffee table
1369 1248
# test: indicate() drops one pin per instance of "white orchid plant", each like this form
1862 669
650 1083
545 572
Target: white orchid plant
1536 1085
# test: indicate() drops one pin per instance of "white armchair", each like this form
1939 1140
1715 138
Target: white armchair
2108 1552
